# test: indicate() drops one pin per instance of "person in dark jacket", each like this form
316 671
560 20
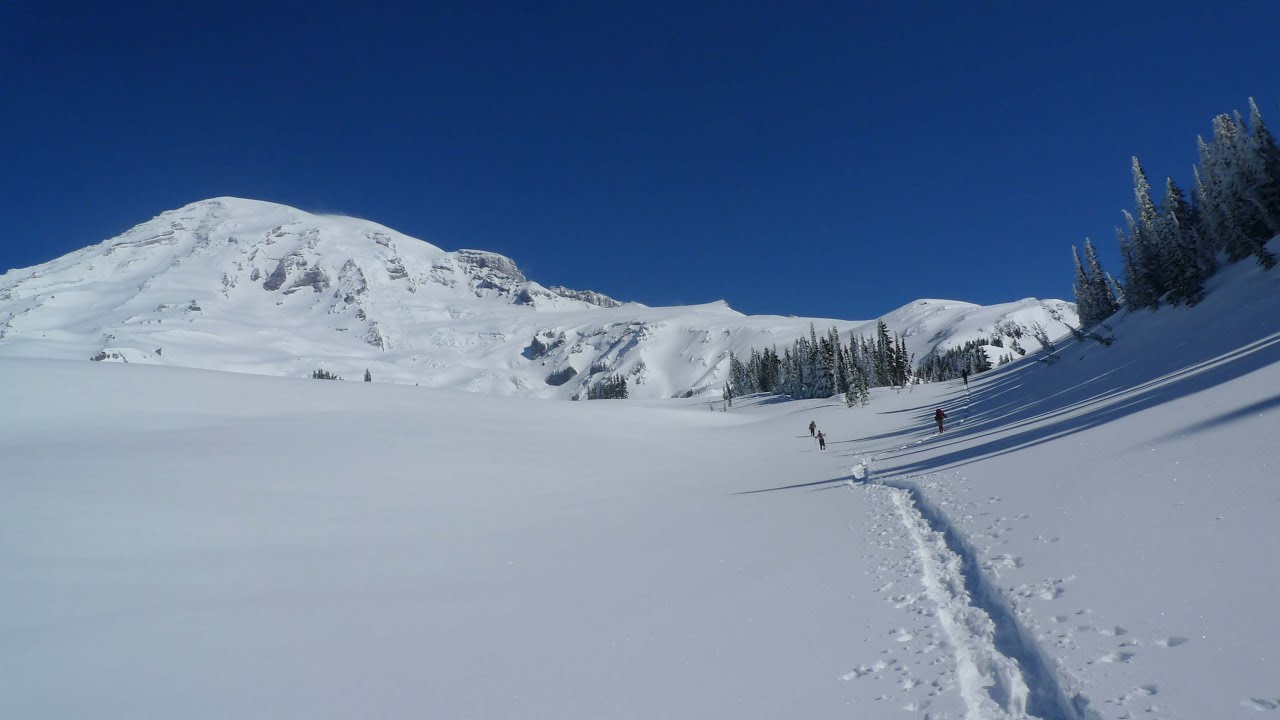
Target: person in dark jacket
812 426
965 375
938 417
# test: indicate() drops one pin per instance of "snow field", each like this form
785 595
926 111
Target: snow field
213 545
1092 537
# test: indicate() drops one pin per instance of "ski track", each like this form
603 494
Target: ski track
1000 670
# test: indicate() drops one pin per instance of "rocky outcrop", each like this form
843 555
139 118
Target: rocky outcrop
587 296
490 271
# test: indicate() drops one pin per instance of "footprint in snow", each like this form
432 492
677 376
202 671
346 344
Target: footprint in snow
1004 562
1139 692
1260 704
856 673
1174 641
1117 656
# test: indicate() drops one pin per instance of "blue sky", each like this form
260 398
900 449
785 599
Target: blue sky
827 159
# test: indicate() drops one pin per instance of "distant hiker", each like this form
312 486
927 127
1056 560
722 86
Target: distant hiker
939 416
812 426
822 441
965 374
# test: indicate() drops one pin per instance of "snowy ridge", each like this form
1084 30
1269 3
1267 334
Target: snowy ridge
932 324
250 286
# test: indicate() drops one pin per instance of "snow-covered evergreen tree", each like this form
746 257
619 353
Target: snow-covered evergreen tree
1105 303
1149 243
1267 156
1083 289
1187 264
739 378
1139 290
612 387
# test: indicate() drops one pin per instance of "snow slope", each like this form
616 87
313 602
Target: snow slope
249 286
1114 509
1091 537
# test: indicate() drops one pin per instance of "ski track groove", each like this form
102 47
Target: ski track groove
1001 670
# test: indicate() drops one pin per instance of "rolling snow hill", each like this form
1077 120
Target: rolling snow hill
256 287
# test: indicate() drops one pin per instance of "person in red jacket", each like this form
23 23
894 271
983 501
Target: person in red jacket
939 416
822 441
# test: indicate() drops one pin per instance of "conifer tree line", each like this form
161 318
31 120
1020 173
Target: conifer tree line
948 364
612 387
1169 250
820 366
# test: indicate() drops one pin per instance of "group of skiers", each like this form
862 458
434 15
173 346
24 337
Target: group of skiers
815 432
938 416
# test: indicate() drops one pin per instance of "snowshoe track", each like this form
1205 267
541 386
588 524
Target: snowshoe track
1001 671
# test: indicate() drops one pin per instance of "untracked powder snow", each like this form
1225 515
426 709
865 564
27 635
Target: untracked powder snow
1092 536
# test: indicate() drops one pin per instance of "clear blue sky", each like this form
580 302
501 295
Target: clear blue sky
830 159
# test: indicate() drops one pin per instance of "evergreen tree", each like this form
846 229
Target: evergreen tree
739 377
824 368
612 387
368 377
1187 265
1083 288
1267 155
1258 169
1225 184
1213 224
1094 301
1105 303
1041 335
1150 252
1139 289
842 378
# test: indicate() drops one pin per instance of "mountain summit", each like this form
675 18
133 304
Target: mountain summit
258 287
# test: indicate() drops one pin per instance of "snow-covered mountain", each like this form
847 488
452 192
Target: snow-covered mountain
257 287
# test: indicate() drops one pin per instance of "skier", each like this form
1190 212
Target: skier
939 416
965 374
812 426
822 441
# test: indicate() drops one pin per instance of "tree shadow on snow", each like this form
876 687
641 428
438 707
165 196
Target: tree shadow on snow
815 485
1000 421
